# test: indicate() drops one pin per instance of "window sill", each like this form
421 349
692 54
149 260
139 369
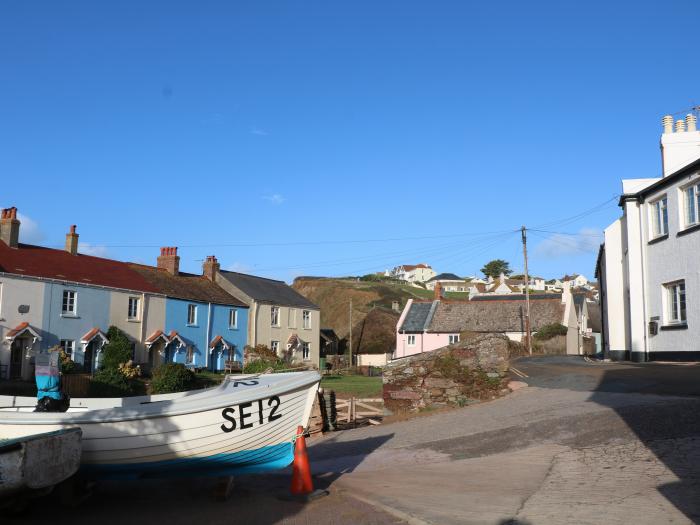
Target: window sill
192 326
233 328
689 229
133 320
678 326
70 316
658 239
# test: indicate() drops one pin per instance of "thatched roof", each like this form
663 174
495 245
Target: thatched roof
494 316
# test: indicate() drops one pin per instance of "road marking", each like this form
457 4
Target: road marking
518 372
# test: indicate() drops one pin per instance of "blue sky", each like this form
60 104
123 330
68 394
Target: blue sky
260 131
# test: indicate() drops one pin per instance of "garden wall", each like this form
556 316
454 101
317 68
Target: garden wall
473 369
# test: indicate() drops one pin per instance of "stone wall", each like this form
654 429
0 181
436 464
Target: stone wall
473 369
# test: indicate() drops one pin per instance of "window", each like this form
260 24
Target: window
275 346
453 338
675 302
191 314
292 318
274 316
305 351
68 346
69 300
411 340
233 318
189 357
133 313
692 205
306 318
659 217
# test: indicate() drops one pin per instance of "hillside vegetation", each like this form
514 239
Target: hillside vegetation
374 322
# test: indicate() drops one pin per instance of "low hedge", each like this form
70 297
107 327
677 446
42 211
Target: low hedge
172 377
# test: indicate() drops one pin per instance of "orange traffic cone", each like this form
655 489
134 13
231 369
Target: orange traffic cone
301 471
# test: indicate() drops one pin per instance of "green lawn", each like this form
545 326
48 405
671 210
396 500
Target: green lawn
353 386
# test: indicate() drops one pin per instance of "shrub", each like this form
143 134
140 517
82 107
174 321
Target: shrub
109 382
68 366
257 367
550 330
117 351
172 377
130 370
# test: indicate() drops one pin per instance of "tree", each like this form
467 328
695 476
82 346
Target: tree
117 351
496 267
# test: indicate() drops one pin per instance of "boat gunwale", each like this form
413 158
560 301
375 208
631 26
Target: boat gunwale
303 380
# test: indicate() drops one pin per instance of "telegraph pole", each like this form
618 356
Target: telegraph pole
528 339
350 347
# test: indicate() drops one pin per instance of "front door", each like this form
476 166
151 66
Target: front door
16 359
154 355
88 357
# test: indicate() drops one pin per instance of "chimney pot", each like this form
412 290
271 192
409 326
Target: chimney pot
680 126
690 122
667 122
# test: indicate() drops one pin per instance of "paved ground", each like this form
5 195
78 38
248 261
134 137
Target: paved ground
585 443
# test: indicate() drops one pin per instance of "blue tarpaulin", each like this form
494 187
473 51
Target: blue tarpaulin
47 374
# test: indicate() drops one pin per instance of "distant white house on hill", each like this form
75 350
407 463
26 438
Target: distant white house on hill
449 282
412 273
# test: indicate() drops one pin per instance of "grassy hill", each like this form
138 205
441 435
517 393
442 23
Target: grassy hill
374 322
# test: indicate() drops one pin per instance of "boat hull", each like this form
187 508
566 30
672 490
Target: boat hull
246 428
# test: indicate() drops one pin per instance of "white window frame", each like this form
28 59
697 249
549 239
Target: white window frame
68 343
72 301
691 202
306 351
292 318
191 314
133 316
233 319
306 319
275 347
411 340
275 316
676 303
453 338
659 221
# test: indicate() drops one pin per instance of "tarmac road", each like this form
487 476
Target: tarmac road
584 443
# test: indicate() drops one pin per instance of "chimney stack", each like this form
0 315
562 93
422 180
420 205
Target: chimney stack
169 260
72 241
438 291
9 227
680 143
210 268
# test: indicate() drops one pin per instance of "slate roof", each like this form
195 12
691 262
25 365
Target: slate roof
494 316
417 317
185 286
37 261
268 291
516 297
446 277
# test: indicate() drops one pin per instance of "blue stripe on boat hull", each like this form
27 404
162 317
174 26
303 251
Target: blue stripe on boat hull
263 459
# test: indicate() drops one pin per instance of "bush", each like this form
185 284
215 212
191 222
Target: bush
68 366
172 377
257 367
117 351
109 382
550 330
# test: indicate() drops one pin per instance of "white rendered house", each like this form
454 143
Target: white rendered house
649 266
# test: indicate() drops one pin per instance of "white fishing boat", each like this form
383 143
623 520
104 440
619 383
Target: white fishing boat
247 424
